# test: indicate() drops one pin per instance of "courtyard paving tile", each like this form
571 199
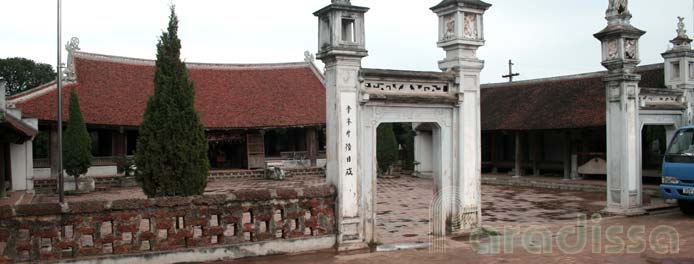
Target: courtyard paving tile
403 207
464 251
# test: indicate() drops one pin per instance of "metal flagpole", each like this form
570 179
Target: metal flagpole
59 67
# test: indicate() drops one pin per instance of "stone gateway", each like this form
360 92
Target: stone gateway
359 99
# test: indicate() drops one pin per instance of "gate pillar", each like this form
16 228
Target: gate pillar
341 47
620 55
461 33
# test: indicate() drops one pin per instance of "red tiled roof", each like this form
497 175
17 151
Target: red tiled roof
554 103
115 90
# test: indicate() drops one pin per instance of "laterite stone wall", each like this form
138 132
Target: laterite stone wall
47 232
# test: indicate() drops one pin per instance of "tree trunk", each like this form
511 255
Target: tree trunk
4 167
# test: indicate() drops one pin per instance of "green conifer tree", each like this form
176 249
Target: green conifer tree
386 147
171 155
77 144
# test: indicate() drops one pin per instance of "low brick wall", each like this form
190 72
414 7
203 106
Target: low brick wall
100 229
216 175
259 174
48 185
520 182
107 181
306 172
45 185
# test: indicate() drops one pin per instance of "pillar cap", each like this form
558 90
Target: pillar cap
471 3
340 6
619 30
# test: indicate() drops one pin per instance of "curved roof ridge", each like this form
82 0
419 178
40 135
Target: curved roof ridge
190 65
567 77
33 92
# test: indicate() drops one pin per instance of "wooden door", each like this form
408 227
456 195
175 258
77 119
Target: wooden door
255 147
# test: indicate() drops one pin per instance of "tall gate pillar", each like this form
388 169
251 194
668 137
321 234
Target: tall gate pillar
461 33
620 55
341 47
679 69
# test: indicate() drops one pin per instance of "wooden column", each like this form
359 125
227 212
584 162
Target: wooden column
537 152
519 156
53 150
312 145
495 152
567 155
255 149
574 156
119 144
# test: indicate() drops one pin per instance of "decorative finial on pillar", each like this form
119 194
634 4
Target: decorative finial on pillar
682 40
71 46
342 2
620 40
619 6
681 32
618 12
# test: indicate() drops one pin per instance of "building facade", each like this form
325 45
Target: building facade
253 113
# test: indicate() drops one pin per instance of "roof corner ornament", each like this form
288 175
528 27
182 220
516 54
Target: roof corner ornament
308 57
71 46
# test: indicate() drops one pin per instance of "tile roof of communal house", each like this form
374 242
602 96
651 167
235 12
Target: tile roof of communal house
576 101
16 125
114 91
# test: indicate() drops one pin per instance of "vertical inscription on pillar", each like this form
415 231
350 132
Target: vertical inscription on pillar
348 121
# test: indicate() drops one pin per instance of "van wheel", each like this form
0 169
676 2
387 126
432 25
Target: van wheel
687 207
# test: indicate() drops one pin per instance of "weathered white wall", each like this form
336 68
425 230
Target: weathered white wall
93 171
22 161
18 154
423 152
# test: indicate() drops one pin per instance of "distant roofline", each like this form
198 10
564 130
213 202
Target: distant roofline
33 92
567 77
191 65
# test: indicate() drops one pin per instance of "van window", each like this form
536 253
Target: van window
681 149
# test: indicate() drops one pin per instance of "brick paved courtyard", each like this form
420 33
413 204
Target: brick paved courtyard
463 251
403 207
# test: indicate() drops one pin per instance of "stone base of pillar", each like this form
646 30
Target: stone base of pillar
613 210
466 220
352 246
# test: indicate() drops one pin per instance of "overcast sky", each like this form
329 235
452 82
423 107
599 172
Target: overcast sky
543 37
